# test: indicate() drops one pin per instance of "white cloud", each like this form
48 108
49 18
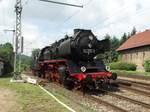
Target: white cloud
34 38
43 23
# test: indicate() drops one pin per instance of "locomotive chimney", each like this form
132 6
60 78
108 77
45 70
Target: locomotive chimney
76 31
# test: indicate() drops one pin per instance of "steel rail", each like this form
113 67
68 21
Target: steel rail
135 77
145 93
127 99
134 85
90 97
135 82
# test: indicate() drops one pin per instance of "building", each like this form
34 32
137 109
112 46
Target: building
1 66
136 49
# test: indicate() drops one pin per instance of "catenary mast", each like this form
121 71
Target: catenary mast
18 36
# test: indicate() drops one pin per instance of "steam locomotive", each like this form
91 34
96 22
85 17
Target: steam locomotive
72 61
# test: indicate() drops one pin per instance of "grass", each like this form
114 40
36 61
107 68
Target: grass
67 96
124 72
31 98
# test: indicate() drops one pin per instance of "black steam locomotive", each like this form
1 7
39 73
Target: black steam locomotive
72 61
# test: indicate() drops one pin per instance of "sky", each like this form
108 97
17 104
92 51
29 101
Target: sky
43 23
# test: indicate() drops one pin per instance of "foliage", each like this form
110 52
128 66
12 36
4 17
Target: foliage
35 54
115 43
133 31
25 62
6 52
112 55
147 65
123 38
122 66
124 72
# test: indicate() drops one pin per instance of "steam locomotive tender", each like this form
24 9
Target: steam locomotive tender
72 61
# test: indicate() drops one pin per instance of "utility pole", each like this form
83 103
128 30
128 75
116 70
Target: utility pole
17 47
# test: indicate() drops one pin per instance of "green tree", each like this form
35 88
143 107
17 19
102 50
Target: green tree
111 55
26 61
34 55
133 32
6 52
114 43
123 38
107 36
129 35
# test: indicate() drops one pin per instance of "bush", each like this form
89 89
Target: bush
8 68
147 65
122 66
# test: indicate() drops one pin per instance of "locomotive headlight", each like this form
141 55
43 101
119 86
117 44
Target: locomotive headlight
91 37
108 68
83 69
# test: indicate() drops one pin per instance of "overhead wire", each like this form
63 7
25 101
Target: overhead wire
110 17
73 15
25 3
122 18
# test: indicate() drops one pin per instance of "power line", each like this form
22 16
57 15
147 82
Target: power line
25 3
74 14
63 3
68 18
110 17
141 11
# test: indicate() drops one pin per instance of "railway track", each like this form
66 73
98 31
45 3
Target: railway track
142 77
96 100
92 98
139 87
145 93
127 99
135 82
122 82
114 107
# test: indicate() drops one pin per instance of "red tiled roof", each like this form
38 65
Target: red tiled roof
138 40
